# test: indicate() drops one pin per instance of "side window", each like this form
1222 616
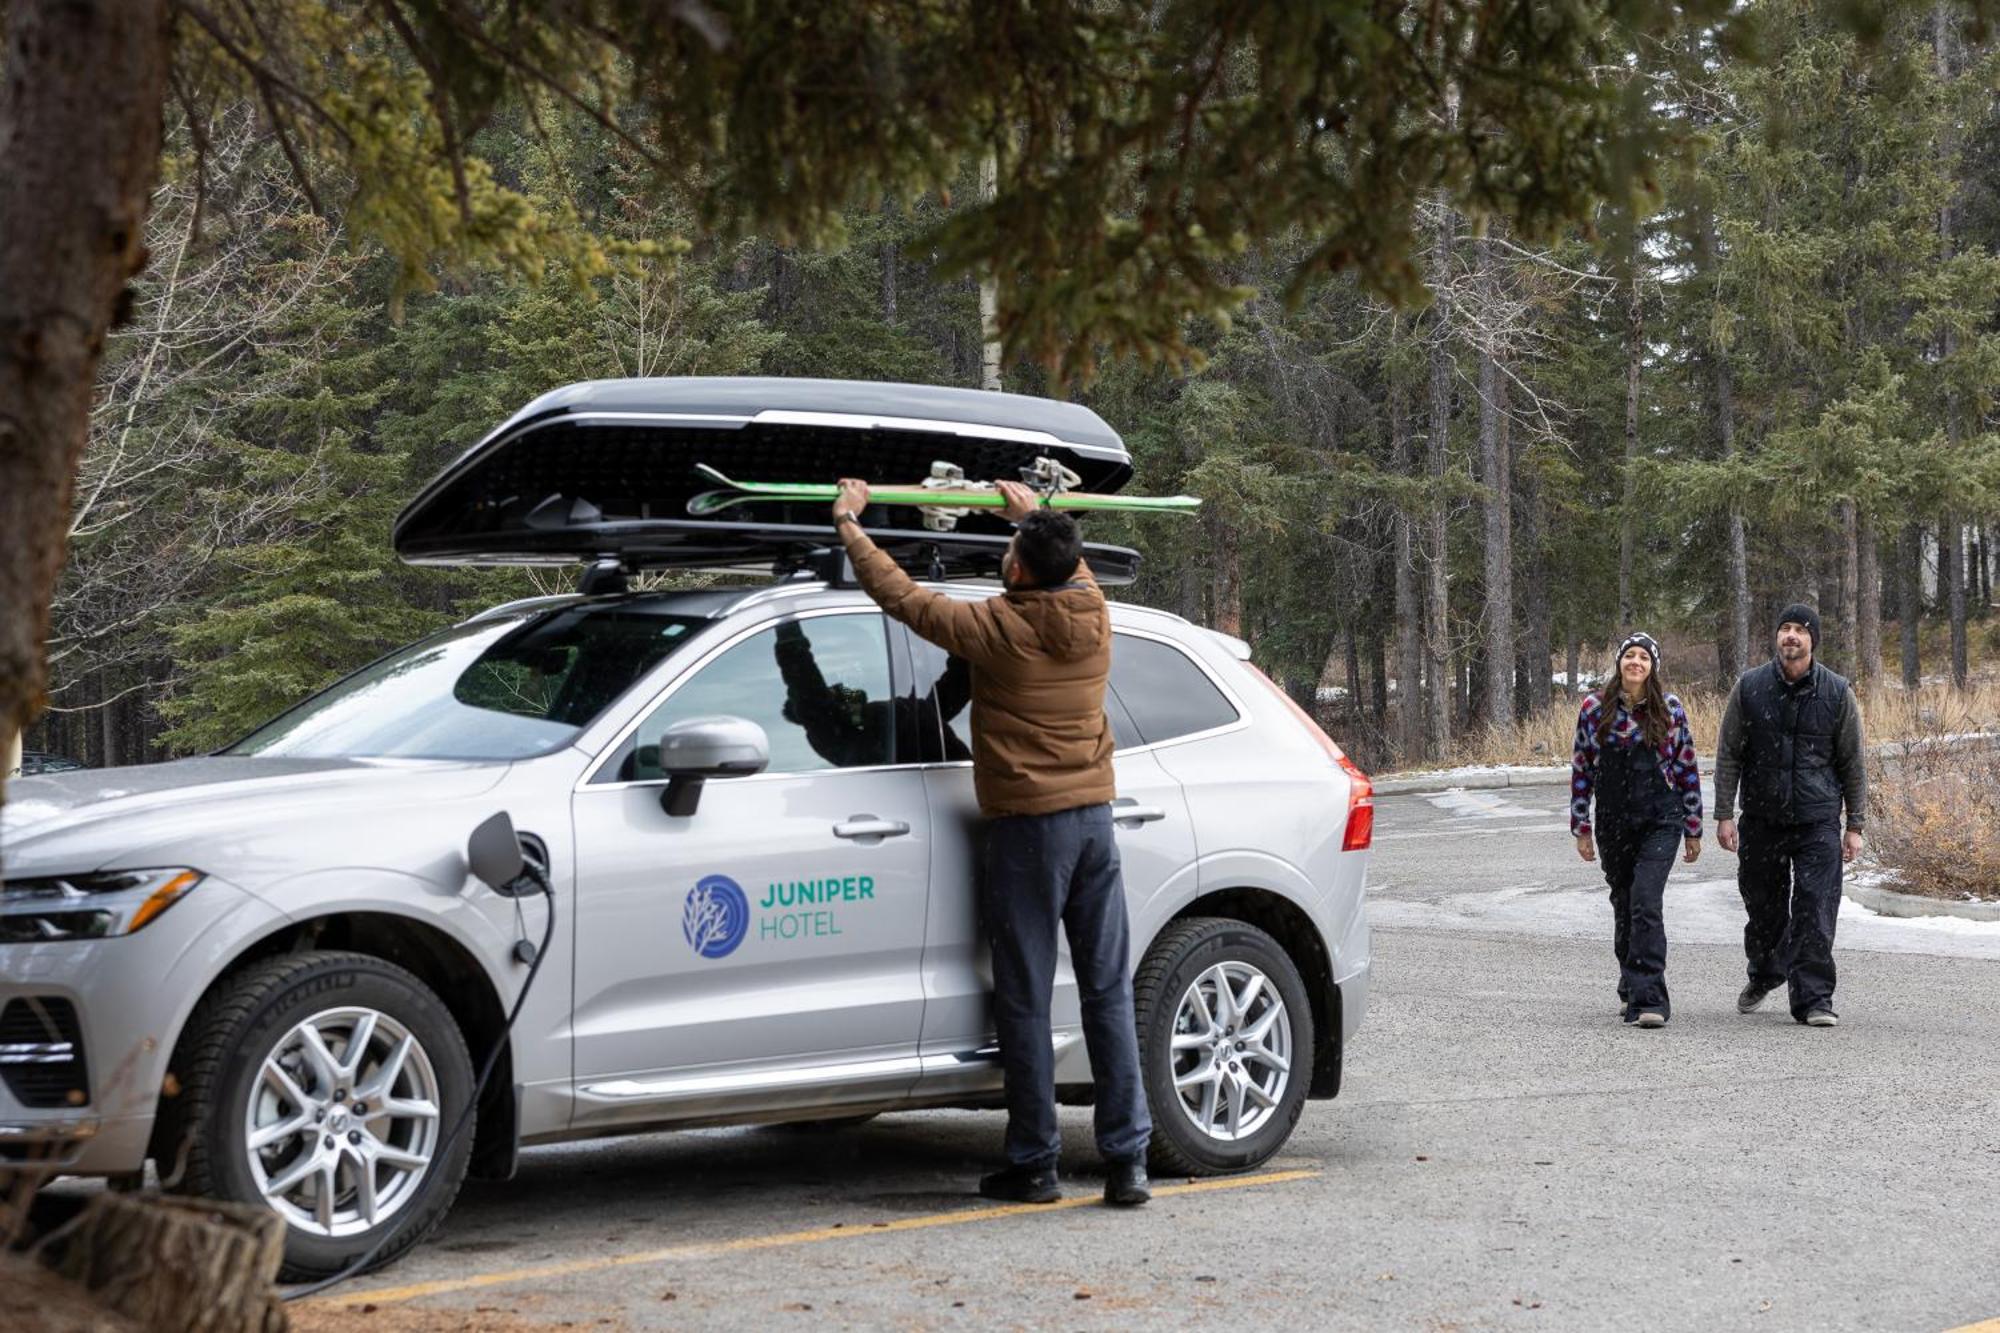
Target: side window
819 688
1165 692
944 688
945 683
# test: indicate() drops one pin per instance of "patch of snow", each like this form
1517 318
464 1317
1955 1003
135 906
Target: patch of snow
1945 925
1473 770
1481 805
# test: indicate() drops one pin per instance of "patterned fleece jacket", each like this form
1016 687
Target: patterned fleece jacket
1675 757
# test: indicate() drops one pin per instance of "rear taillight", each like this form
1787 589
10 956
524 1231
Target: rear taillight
1360 832
1360 810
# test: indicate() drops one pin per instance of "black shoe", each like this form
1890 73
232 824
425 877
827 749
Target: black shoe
1751 996
1021 1184
1126 1186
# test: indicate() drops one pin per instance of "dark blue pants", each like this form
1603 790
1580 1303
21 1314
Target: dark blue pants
1636 863
1043 871
1789 876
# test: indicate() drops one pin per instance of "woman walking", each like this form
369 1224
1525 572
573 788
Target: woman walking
1635 753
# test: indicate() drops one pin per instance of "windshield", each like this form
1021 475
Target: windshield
491 690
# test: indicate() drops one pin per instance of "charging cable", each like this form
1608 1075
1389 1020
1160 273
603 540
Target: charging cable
525 952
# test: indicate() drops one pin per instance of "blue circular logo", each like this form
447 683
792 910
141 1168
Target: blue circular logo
716 917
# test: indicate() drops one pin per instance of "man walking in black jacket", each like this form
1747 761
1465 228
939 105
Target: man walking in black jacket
1792 736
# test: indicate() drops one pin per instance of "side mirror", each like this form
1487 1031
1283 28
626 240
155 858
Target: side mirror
693 750
493 853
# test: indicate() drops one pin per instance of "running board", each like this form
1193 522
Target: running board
860 1075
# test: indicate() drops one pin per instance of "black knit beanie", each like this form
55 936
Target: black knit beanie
1644 640
1798 613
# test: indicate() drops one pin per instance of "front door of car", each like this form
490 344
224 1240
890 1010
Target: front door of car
1155 846
765 948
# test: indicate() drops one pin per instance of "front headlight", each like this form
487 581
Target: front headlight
89 907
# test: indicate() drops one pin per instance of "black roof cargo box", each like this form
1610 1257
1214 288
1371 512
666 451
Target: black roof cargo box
603 471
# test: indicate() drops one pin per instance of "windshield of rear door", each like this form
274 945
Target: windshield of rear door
493 689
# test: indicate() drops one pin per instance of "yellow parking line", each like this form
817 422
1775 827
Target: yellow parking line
708 1249
1983 1326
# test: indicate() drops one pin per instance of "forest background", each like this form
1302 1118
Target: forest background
1427 521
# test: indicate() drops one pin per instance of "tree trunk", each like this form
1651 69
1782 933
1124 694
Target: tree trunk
892 259
1409 618
1951 573
181 1265
1353 709
1737 660
1868 598
1635 331
989 290
1850 589
1986 571
1910 600
1228 587
1378 657
1536 642
1575 667
1826 577
1498 698
80 137
1437 643
1951 532
107 724
1980 587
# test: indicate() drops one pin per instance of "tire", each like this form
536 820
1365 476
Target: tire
243 1044
1178 977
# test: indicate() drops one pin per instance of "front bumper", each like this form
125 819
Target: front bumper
71 1145
131 995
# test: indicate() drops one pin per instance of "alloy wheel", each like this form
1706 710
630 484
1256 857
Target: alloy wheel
342 1122
1232 1051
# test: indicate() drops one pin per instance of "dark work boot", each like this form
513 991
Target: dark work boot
1021 1184
1752 996
1126 1185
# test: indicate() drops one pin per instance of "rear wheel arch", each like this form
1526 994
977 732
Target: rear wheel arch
441 962
1287 923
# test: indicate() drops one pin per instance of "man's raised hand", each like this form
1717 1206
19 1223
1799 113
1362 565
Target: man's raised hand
853 498
1021 501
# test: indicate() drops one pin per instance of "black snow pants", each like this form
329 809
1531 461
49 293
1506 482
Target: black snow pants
1049 873
1638 827
1789 875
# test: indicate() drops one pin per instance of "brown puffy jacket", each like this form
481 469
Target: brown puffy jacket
1039 658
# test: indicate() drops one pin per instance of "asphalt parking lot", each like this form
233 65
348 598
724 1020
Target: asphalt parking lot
1506 1155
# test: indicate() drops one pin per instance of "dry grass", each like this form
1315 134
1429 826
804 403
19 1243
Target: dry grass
1932 821
1890 715
1548 736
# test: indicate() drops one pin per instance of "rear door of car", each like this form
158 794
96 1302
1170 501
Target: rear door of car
1155 844
765 950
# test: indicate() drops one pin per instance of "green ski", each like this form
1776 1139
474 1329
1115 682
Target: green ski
948 495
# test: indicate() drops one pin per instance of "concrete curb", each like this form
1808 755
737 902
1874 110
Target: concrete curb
1398 784
1888 902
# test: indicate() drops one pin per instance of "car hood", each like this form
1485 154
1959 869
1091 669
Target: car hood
224 814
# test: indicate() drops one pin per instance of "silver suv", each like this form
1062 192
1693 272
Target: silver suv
275 971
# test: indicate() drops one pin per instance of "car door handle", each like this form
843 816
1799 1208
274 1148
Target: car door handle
867 826
1125 810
